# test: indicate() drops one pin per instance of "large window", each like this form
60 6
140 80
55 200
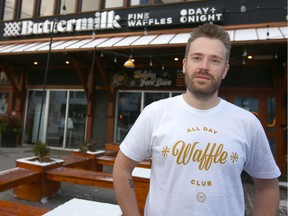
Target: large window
27 9
168 1
63 118
90 5
69 6
130 104
47 7
139 2
9 9
113 3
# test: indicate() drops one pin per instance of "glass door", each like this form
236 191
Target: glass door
75 119
63 119
56 118
32 131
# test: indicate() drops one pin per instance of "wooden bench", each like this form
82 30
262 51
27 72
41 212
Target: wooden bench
17 176
111 149
109 160
80 176
77 162
8 208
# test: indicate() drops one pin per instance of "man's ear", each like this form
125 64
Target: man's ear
227 66
184 66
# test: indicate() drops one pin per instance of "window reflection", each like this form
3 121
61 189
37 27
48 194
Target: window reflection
113 3
9 9
90 5
46 7
167 1
271 120
69 6
152 96
27 9
248 103
130 104
129 107
33 117
62 124
139 2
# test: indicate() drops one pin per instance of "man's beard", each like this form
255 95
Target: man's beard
203 93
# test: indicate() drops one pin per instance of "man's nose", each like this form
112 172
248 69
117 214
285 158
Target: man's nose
205 64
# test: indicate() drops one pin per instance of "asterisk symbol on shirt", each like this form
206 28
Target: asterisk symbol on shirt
165 151
234 157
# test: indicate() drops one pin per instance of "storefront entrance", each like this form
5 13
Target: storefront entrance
63 119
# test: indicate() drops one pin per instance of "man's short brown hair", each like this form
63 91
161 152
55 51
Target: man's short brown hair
211 31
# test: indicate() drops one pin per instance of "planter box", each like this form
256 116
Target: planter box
43 189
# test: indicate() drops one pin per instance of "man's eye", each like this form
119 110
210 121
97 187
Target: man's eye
196 58
215 61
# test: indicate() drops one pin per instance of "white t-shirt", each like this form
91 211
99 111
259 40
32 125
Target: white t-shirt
198 157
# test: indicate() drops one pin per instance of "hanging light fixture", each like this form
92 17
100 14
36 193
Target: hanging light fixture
244 52
243 8
130 62
151 63
93 34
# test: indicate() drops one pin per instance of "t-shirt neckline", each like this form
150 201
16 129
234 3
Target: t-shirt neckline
194 110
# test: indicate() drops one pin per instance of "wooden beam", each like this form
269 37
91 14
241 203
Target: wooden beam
80 75
7 70
104 77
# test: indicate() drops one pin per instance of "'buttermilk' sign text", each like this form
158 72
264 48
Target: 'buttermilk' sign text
109 20
103 20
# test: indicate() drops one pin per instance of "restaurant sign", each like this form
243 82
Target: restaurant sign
148 78
128 20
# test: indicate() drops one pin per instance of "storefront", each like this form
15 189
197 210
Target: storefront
77 61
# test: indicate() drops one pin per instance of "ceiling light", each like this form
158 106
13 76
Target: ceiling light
243 8
93 34
129 63
244 52
35 63
67 62
145 31
176 59
250 57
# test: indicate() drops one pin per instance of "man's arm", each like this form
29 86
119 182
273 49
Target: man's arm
124 186
266 197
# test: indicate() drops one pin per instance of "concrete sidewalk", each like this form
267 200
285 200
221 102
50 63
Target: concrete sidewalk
70 191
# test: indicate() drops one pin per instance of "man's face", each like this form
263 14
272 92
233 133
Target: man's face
204 67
